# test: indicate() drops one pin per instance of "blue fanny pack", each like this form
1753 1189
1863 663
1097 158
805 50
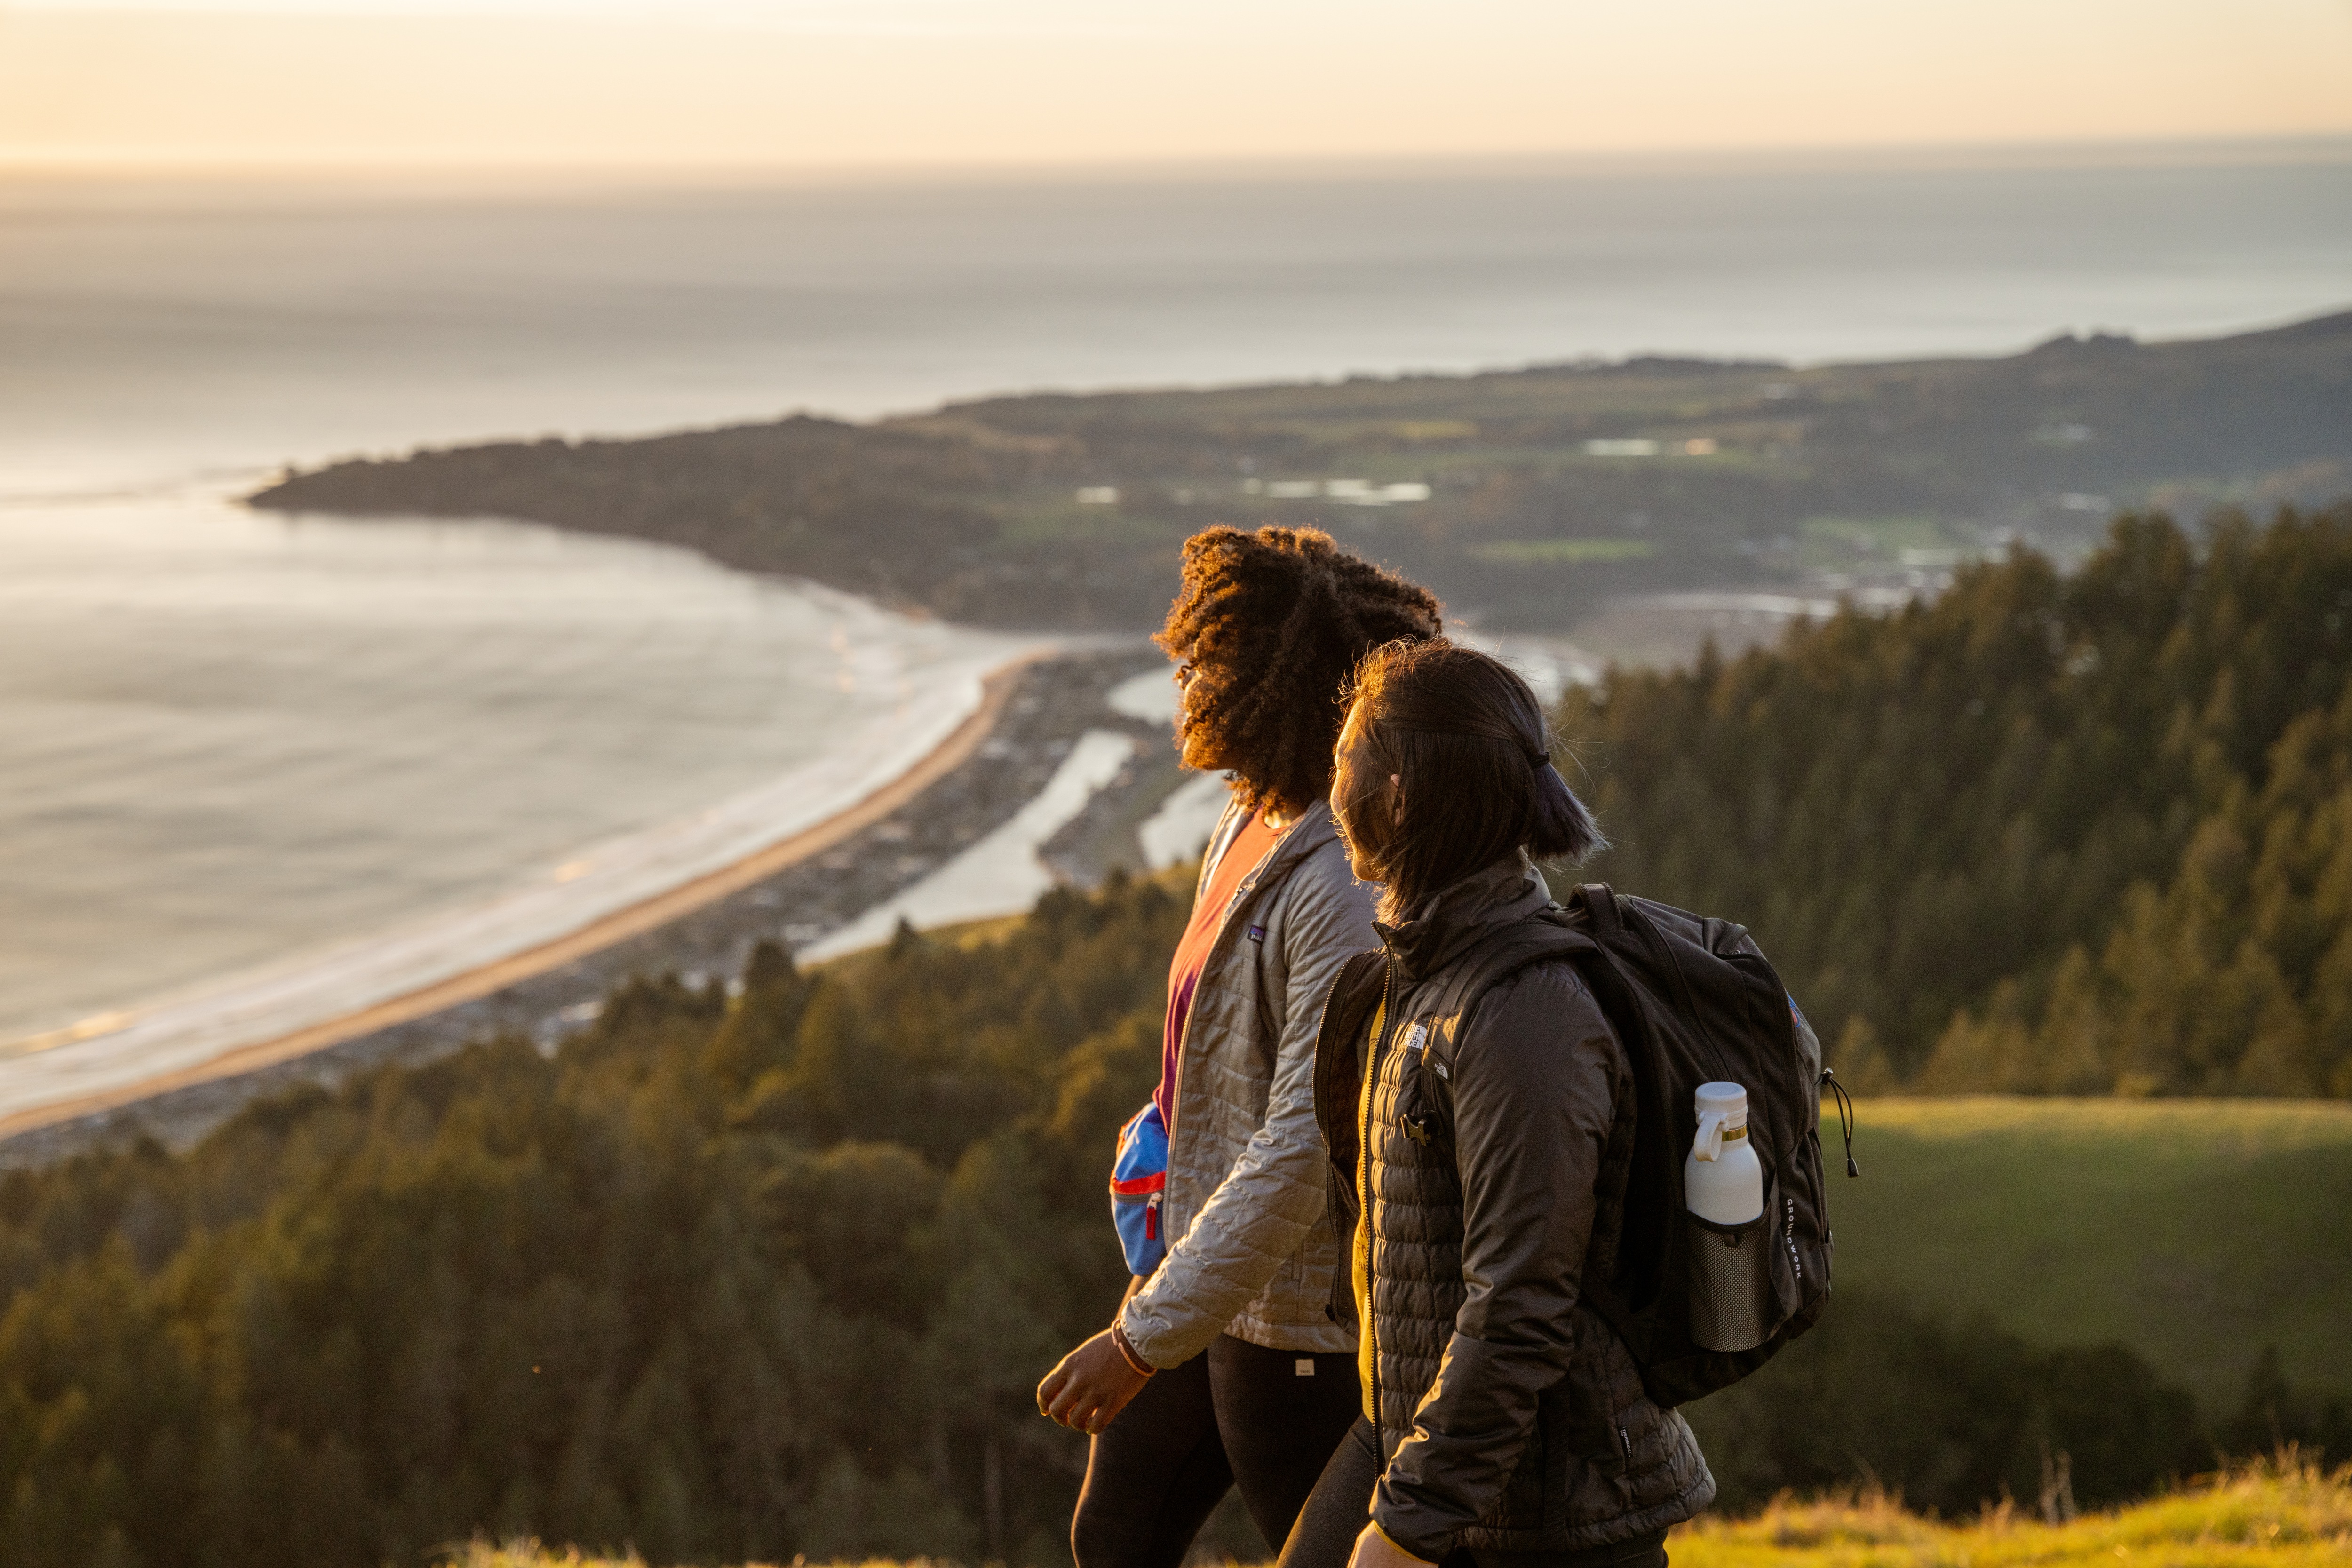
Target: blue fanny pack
1139 1180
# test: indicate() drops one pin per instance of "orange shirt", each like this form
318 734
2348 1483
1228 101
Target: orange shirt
1249 847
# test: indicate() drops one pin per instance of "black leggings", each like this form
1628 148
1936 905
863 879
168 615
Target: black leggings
1342 1504
1238 1412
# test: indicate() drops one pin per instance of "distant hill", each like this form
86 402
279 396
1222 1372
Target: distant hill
1523 497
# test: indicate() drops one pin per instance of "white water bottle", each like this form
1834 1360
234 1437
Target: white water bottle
1723 1181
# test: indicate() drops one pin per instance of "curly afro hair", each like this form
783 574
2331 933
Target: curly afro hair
1274 624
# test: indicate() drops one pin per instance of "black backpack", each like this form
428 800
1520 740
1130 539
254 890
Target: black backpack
1693 1000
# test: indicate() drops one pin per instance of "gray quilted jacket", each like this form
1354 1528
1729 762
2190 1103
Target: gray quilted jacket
1251 1248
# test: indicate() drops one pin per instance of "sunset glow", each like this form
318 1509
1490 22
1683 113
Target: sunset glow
915 82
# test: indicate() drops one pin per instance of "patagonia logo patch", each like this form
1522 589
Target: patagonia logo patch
1257 933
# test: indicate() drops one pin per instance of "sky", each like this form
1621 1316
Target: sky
865 84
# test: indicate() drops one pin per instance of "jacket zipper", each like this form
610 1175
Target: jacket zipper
1370 1326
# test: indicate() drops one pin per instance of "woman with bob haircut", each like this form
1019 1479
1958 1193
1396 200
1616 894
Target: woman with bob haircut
1225 1364
1481 1147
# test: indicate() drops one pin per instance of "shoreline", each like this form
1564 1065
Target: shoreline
270 772
794 892
597 934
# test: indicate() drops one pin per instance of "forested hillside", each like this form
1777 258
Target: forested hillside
724 1279
771 1268
744 1277
2083 833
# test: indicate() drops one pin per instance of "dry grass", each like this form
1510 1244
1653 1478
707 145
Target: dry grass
531 1554
2281 1513
2277 1513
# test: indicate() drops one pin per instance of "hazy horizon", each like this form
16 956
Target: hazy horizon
2090 151
163 326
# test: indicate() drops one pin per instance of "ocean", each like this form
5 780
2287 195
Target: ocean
232 743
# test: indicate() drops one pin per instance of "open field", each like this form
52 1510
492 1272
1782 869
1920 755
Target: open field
2193 1231
2268 1515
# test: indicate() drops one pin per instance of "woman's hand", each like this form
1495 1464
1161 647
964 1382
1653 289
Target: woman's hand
1374 1549
1093 1383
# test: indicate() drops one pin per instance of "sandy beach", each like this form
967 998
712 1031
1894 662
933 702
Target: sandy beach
243 1026
91 1069
1040 730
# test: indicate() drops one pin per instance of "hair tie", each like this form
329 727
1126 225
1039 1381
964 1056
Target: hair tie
1539 759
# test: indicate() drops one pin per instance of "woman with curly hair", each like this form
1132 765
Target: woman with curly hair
1224 1364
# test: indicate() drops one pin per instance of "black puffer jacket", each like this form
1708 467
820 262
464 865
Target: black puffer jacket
1511 1416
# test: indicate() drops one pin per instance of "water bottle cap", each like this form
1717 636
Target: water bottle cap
1729 1101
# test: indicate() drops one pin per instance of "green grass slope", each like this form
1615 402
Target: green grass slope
2268 1515
2193 1231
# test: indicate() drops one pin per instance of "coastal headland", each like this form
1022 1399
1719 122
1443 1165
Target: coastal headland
1531 500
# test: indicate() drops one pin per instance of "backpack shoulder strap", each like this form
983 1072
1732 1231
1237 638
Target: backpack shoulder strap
1502 956
1598 902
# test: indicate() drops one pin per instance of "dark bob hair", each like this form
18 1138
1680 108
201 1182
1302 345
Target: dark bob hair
1468 741
1274 623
